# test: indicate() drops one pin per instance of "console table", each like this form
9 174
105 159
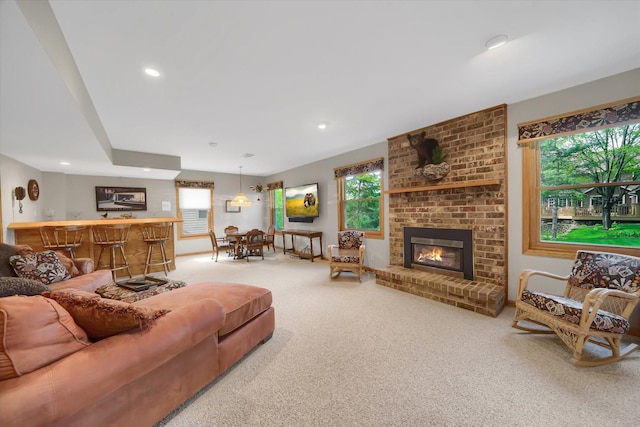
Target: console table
304 233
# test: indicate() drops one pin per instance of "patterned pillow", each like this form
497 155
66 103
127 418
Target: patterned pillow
43 266
101 318
18 286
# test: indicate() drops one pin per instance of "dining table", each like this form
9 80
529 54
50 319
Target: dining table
240 238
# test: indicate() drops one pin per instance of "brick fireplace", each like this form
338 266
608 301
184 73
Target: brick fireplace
472 198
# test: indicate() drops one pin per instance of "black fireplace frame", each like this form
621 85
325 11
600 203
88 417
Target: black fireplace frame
445 234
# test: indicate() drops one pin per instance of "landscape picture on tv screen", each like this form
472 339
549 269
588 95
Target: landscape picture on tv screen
302 201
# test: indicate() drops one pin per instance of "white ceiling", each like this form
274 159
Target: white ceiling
257 77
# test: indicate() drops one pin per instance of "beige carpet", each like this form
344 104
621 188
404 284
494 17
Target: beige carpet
350 354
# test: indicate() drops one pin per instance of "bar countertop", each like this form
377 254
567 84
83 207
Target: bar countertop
28 233
89 222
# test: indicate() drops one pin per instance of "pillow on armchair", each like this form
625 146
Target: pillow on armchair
42 266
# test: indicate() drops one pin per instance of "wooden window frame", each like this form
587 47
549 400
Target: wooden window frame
181 235
369 234
531 242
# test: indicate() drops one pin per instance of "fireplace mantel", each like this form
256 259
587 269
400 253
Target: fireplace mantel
480 183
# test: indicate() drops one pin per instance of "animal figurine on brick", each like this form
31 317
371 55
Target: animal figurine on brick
425 148
309 200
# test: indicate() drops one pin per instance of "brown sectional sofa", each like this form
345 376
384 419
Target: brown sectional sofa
138 377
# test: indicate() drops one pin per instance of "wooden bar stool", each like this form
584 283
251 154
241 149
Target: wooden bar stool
157 235
62 238
112 237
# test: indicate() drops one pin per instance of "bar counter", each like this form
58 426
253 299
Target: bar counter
28 233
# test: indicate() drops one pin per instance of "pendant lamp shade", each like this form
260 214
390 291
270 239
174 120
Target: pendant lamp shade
240 200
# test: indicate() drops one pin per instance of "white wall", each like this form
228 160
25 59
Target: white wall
15 174
377 250
610 89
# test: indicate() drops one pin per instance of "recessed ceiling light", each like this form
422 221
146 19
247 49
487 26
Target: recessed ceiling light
65 163
323 125
146 170
152 72
496 41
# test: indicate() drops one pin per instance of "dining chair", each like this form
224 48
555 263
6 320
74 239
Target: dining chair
232 249
254 244
218 243
270 238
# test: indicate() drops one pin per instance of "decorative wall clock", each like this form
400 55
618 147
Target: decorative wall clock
33 189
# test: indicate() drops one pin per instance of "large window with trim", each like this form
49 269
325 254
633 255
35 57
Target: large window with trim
581 181
195 208
360 198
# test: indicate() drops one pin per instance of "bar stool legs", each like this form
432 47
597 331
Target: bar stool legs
157 235
112 237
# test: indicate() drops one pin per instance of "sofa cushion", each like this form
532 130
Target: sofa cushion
241 303
19 286
43 266
68 264
571 310
101 318
35 332
6 252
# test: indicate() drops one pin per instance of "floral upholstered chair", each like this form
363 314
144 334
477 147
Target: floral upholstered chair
348 255
600 294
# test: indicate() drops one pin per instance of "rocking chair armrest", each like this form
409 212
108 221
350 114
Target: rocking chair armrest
523 280
596 297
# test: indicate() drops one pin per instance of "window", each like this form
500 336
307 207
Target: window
276 205
195 208
581 184
360 202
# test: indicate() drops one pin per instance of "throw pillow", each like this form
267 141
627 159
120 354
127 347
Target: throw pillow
19 286
43 266
68 264
35 332
6 252
101 318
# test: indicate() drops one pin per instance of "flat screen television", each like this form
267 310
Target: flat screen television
301 202
121 199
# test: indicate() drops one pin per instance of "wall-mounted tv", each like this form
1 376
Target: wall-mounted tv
301 203
121 199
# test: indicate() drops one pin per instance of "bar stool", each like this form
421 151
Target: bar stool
111 237
62 238
157 235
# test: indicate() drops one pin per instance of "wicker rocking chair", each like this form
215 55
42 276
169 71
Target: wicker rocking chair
348 255
600 295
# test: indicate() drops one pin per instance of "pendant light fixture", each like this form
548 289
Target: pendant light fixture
240 200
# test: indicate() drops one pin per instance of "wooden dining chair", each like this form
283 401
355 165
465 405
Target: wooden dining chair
254 244
270 238
218 243
232 248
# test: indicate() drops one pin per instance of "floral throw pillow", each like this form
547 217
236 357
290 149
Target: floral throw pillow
42 266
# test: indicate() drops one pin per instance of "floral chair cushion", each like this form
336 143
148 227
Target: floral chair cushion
571 310
350 239
605 270
350 256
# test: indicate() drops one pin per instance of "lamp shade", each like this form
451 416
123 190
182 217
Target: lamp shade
240 200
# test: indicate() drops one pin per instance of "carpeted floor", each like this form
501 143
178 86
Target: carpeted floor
351 354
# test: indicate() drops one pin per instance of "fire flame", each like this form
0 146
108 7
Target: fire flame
434 255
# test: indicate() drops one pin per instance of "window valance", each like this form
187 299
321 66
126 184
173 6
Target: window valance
185 183
600 117
358 168
274 186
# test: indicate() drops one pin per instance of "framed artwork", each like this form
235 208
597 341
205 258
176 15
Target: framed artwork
229 208
33 189
121 199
